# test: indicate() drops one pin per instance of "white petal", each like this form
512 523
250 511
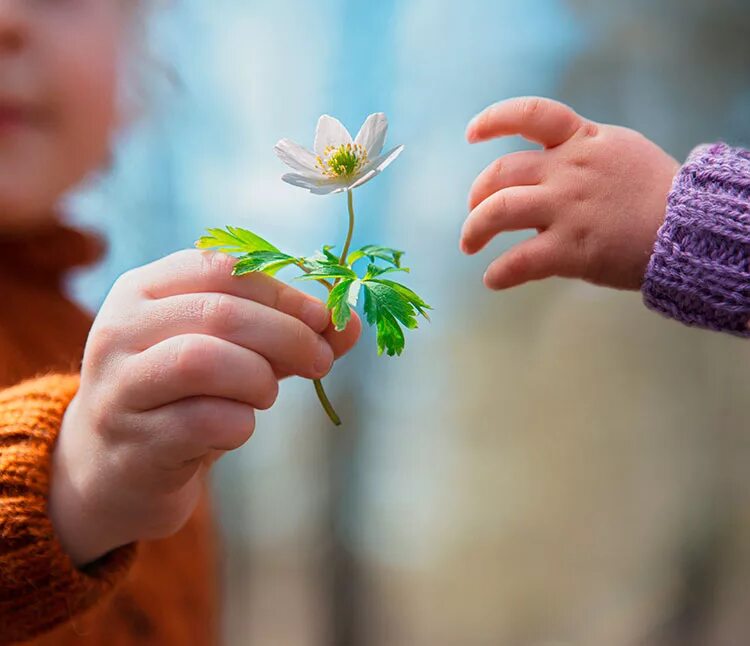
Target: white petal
382 162
295 156
377 166
328 189
297 179
363 179
317 186
372 134
330 132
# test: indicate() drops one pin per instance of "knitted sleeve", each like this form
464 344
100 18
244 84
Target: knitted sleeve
39 585
699 272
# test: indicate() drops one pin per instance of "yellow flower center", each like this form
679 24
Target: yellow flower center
344 161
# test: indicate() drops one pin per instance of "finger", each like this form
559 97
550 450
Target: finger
192 428
511 209
543 121
539 257
340 342
517 169
192 271
194 365
286 342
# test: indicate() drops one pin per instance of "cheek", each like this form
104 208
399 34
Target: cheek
75 79
86 110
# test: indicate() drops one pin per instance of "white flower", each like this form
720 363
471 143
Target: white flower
338 163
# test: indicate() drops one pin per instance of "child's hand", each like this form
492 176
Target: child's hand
177 361
596 194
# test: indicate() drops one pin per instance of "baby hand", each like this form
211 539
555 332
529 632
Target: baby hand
178 360
596 195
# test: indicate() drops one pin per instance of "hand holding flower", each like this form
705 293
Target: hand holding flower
339 164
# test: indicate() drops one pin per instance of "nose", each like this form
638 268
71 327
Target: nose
13 25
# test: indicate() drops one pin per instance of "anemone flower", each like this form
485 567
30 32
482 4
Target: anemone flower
339 163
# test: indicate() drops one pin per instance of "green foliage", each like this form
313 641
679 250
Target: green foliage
376 252
326 271
325 255
386 307
341 300
389 306
268 262
234 240
404 292
373 271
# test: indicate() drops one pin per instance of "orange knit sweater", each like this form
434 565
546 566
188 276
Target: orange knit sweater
159 592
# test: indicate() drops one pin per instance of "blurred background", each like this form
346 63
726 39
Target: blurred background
550 466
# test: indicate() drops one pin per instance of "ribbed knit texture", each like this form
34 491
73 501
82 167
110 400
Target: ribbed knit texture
699 273
39 585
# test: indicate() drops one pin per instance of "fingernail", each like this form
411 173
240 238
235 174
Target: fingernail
324 358
315 315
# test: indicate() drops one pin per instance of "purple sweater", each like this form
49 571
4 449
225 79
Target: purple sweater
699 272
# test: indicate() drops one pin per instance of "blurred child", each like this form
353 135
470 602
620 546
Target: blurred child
105 534
612 208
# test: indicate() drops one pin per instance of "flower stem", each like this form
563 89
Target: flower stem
348 243
326 403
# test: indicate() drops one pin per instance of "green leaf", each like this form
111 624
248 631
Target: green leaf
389 299
373 271
388 306
325 271
268 262
324 256
389 333
234 240
373 252
408 294
326 251
341 300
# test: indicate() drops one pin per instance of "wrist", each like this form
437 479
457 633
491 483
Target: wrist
74 504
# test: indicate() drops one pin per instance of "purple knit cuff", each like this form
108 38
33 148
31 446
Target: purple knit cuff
699 272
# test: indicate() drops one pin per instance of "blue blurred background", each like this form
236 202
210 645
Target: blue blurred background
553 465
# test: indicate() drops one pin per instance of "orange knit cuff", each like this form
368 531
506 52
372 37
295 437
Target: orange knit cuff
40 587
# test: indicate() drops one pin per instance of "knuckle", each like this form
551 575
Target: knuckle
218 313
214 263
580 161
129 282
193 357
202 417
581 242
501 206
102 342
497 167
588 129
531 107
519 263
280 294
302 336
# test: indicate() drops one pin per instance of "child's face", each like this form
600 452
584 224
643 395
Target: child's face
58 65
